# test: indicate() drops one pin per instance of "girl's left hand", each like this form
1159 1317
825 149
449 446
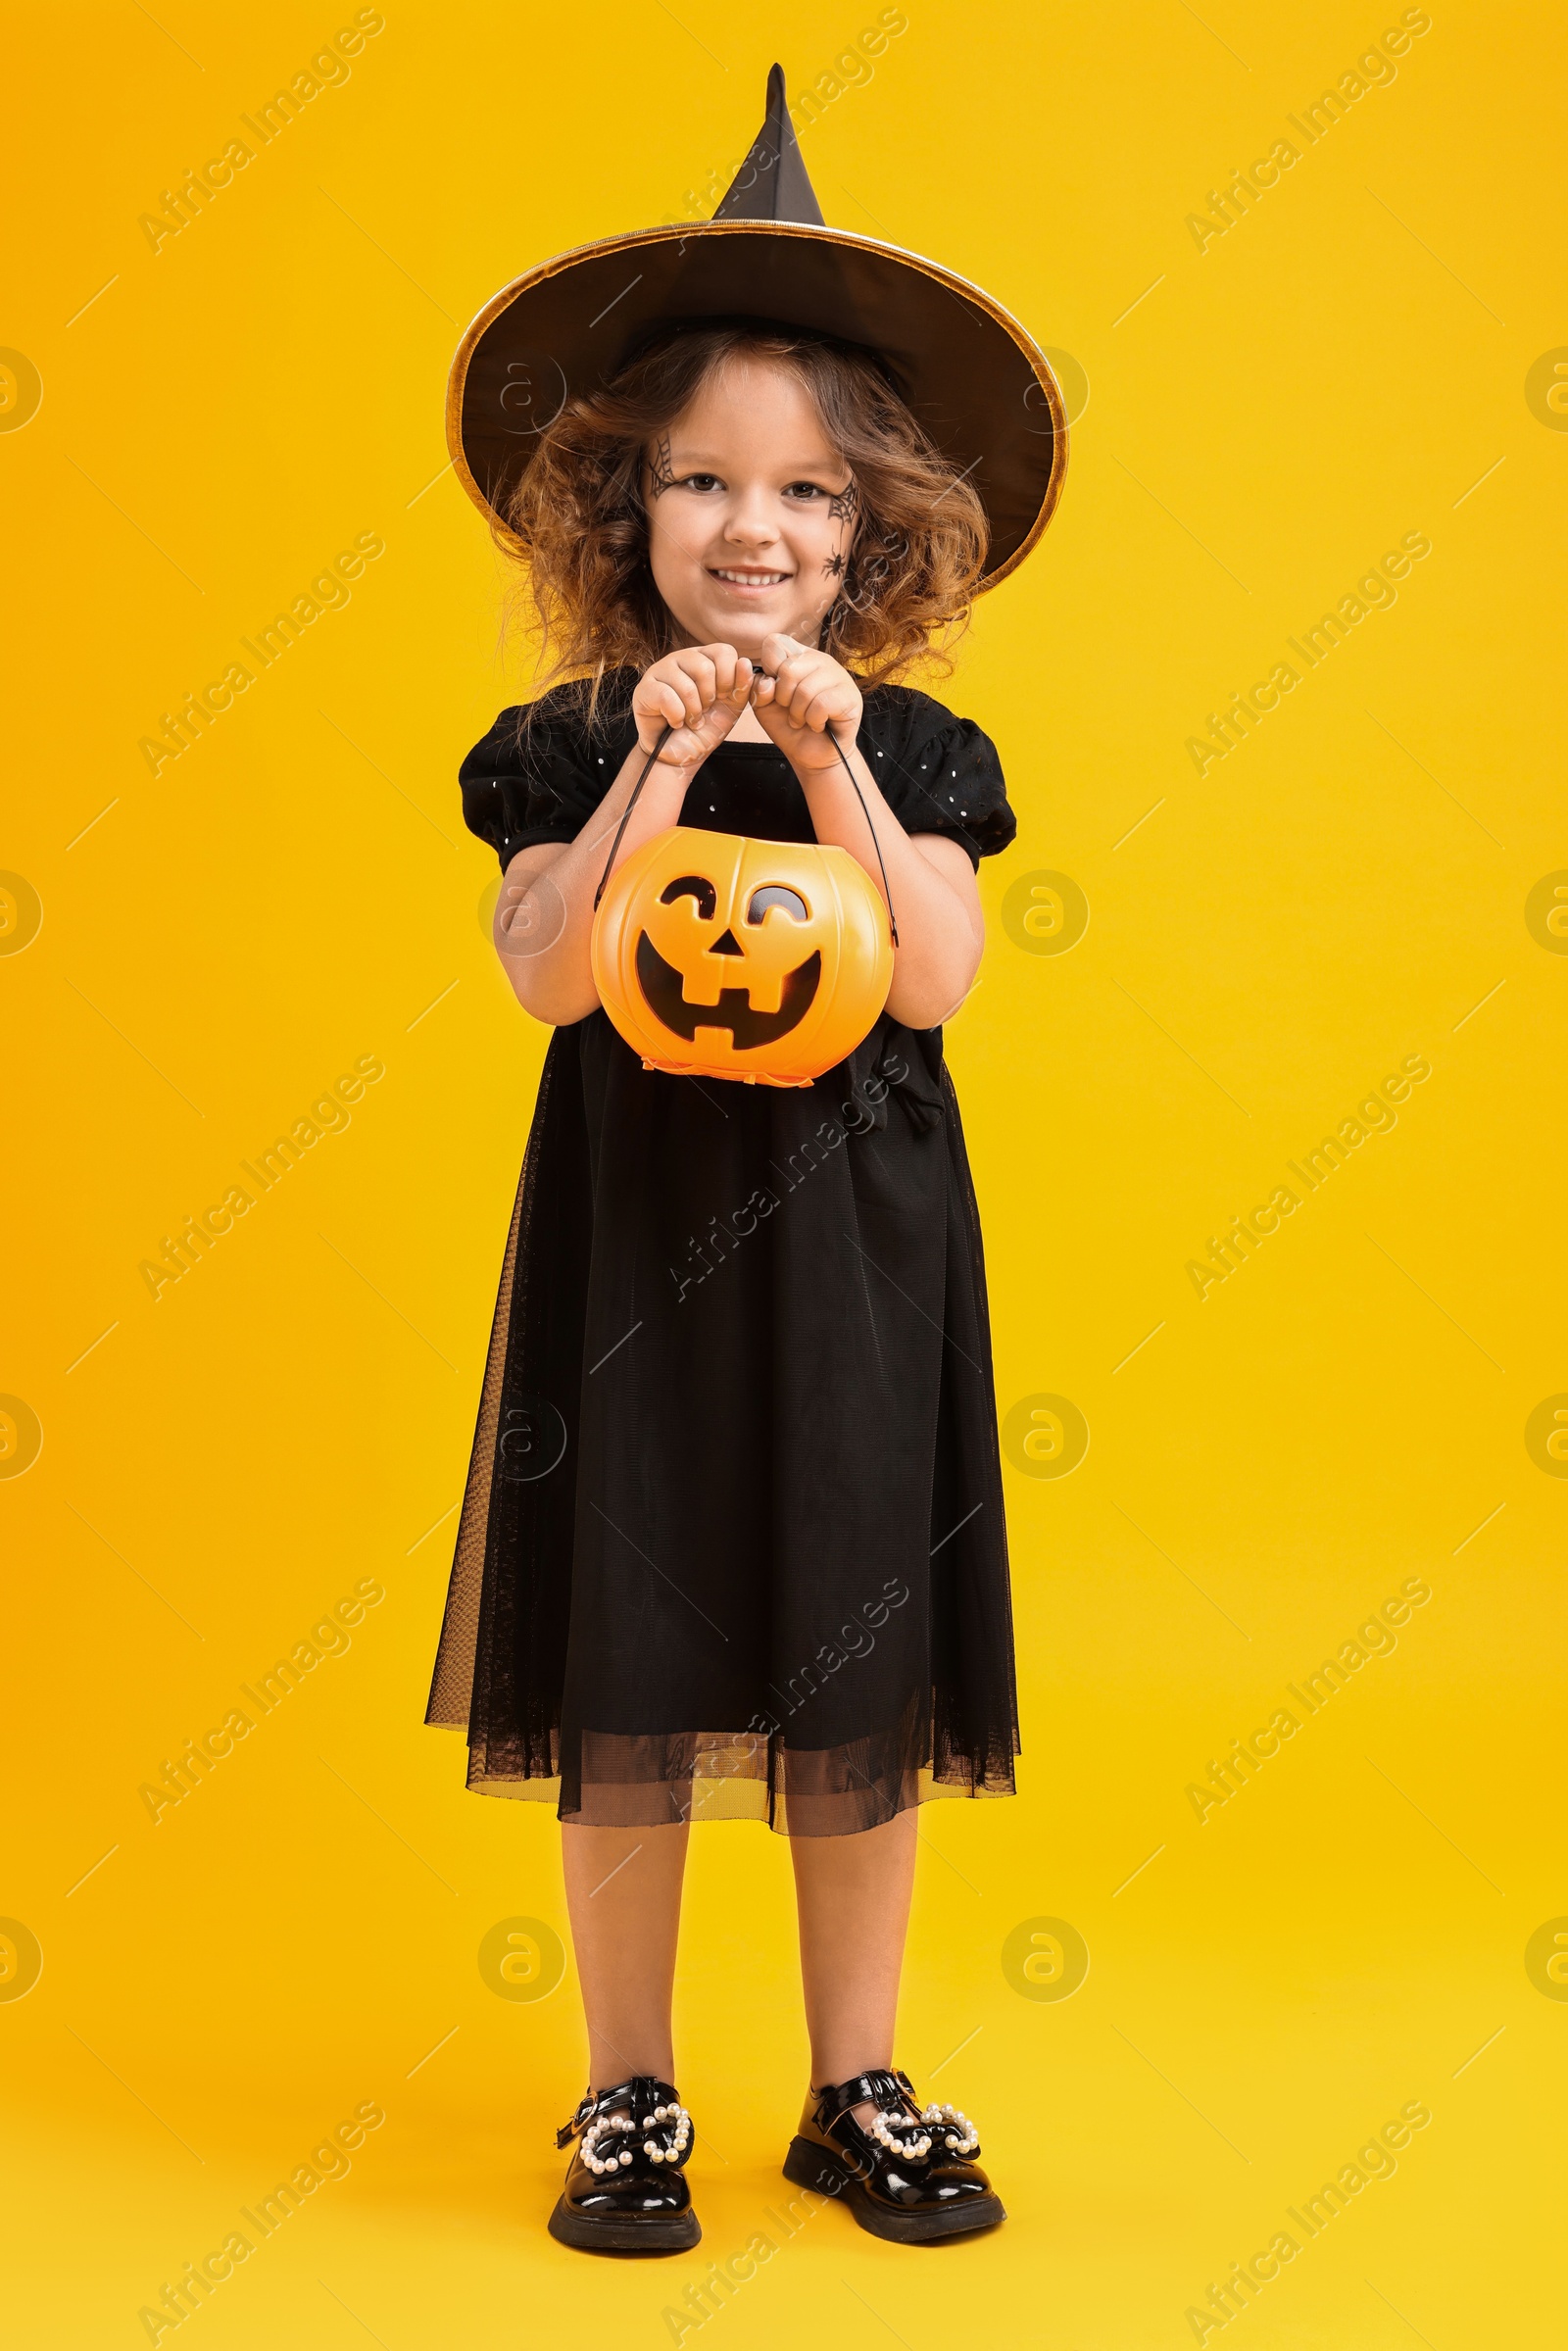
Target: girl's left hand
804 702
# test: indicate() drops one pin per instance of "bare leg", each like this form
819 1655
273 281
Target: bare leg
852 1894
623 1896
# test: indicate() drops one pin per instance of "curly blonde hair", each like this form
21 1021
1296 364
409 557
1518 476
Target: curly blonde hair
578 518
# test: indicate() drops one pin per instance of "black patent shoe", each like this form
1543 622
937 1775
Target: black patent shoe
909 2175
626 2188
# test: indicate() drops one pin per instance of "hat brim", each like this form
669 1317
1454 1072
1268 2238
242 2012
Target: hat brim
978 384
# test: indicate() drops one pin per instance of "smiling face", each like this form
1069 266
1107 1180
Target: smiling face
751 511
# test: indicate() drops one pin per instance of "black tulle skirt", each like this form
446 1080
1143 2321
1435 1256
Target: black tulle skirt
732 1542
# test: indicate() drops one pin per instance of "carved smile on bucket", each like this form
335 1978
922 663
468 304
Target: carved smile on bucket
664 987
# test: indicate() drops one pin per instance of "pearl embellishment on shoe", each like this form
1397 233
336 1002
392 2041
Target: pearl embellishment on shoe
620 2158
961 2137
910 2150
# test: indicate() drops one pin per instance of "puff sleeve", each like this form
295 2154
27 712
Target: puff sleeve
941 774
532 780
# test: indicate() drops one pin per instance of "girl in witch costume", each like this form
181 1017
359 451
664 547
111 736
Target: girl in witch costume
732 1544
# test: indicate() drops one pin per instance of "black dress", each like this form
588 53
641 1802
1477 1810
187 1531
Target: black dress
732 1542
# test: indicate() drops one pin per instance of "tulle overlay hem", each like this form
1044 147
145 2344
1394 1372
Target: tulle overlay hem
625 1780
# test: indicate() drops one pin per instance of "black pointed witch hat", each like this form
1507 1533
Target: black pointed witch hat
977 381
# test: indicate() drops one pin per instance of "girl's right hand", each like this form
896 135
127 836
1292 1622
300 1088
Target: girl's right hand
699 693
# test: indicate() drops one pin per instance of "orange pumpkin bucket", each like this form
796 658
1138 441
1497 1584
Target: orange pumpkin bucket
717 956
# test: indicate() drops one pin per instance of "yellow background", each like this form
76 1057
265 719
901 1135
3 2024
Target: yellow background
1266 417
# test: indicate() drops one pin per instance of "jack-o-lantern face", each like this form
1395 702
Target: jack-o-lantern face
716 956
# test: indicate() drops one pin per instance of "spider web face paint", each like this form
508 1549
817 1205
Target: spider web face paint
660 467
845 503
870 572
